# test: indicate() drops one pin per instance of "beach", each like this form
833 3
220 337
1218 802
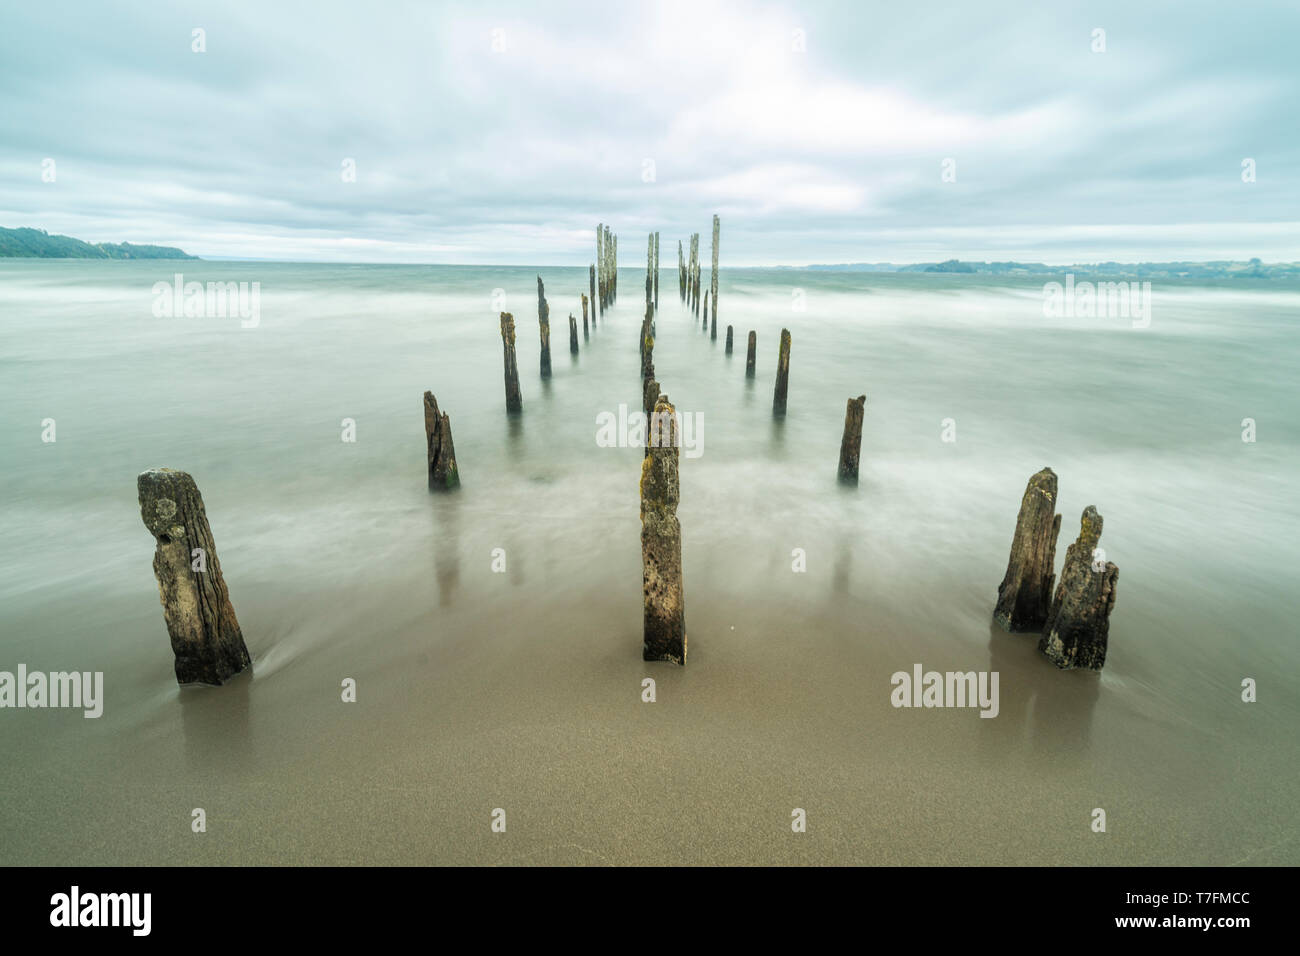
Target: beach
521 689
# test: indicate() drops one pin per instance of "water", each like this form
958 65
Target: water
522 690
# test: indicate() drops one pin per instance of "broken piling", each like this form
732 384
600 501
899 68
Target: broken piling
205 636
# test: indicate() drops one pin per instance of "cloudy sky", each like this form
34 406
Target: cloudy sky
502 133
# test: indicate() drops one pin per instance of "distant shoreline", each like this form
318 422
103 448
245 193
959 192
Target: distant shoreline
25 243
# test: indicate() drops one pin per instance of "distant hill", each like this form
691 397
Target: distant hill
39 244
1223 269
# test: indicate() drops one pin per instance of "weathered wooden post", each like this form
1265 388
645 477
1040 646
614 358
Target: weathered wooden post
613 268
443 473
661 541
656 272
782 375
514 403
1025 594
713 274
600 263
649 270
729 337
591 278
647 342
1078 623
681 272
573 335
712 318
851 443
205 636
544 328
585 335
751 356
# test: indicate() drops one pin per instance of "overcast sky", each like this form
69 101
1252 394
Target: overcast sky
817 131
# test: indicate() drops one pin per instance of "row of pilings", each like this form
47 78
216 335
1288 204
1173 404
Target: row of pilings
1072 621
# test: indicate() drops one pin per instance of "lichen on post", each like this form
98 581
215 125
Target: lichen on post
1025 594
661 541
851 443
514 402
782 375
443 473
1078 623
205 636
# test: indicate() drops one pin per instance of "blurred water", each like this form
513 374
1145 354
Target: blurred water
340 563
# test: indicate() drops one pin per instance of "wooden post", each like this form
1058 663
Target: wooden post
591 278
573 335
205 636
514 403
729 336
851 443
585 336
782 375
1078 623
1025 594
544 328
751 357
600 263
656 272
713 275
681 273
661 541
443 473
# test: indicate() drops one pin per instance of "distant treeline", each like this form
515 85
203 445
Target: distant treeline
1223 269
39 244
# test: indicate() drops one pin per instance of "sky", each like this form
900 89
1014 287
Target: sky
496 133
